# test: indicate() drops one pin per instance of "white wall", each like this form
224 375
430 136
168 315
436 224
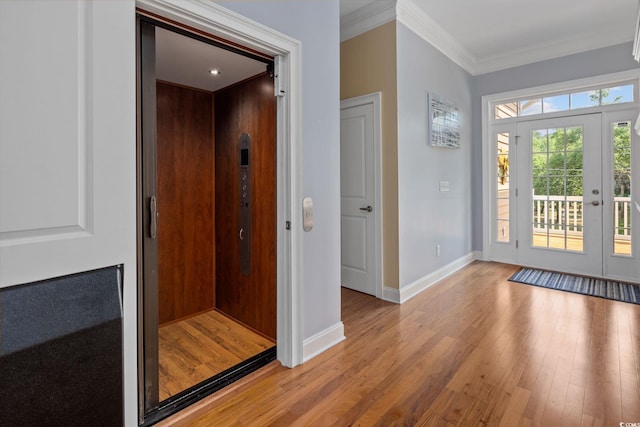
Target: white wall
428 217
317 25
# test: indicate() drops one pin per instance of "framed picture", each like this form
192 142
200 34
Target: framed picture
444 123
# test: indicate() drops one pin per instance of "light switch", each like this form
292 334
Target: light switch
444 186
307 214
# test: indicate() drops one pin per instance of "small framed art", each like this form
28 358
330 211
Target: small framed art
444 123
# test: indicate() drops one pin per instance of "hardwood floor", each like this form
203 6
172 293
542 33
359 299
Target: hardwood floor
472 350
199 347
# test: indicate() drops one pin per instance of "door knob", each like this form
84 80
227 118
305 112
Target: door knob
368 209
595 202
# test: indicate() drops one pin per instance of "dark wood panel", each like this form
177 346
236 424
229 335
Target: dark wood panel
186 243
247 107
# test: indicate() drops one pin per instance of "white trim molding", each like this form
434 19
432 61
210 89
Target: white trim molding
391 294
367 18
549 50
405 293
418 21
321 341
414 17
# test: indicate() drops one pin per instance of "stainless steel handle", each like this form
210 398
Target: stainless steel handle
153 208
595 202
241 234
368 209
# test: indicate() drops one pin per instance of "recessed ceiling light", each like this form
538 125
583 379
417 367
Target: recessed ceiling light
214 72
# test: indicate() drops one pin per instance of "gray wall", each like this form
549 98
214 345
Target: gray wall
317 25
582 65
428 217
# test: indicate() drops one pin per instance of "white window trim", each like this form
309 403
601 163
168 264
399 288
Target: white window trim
489 123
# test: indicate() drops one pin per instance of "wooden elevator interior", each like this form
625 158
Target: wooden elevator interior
199 199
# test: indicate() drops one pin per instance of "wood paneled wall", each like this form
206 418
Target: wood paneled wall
247 107
186 182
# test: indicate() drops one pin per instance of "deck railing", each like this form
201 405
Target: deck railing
555 213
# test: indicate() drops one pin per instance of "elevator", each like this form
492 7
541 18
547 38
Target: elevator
207 206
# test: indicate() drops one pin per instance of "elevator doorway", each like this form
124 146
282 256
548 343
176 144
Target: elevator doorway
208 213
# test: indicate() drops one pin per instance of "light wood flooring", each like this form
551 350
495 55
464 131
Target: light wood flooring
199 347
473 350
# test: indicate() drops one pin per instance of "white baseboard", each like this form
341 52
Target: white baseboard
316 344
412 289
391 295
479 255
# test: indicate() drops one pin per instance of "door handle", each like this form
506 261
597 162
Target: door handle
153 208
595 202
368 209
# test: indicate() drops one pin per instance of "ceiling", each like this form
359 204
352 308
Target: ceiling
493 34
186 61
531 30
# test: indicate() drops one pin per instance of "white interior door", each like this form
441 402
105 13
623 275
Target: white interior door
560 200
357 192
68 148
67 139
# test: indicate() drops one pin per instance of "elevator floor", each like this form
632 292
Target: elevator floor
195 349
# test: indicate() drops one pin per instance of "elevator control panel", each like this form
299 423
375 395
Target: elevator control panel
244 210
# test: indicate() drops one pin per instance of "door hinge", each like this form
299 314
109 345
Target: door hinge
516 192
516 244
287 225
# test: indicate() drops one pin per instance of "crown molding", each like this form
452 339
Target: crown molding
418 21
367 18
413 17
546 51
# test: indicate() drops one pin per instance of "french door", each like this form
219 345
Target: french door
559 198
568 203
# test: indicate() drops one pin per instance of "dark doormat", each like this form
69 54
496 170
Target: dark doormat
609 289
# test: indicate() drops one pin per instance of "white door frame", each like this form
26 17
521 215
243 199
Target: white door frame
287 52
488 143
375 99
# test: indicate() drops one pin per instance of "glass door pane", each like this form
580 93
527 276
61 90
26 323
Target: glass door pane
557 188
503 196
621 132
559 171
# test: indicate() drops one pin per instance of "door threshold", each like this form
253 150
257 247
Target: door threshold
207 387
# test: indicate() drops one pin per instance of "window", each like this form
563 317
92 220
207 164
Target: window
565 101
621 188
557 174
503 188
